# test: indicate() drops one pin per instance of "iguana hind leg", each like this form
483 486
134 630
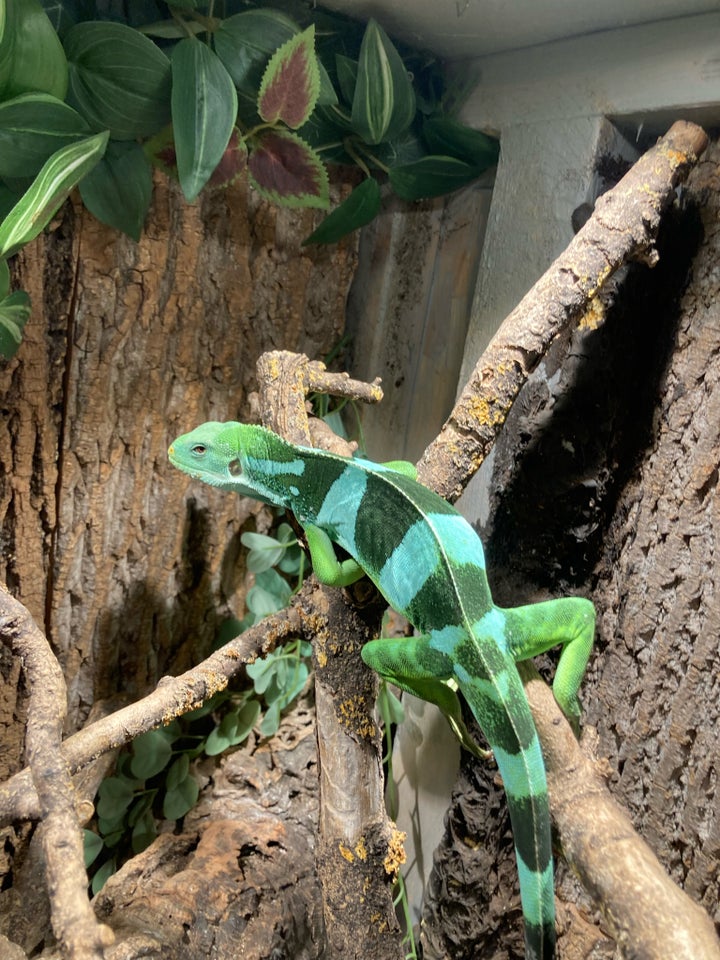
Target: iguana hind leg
412 664
535 628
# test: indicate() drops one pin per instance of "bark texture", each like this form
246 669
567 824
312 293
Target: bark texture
130 344
605 483
240 879
127 566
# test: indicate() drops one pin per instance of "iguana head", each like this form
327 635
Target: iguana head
237 456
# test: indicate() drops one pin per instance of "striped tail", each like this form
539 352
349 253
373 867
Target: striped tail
501 709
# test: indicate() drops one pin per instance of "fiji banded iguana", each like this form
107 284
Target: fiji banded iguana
428 563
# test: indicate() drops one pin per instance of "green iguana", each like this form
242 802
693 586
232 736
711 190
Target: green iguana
428 563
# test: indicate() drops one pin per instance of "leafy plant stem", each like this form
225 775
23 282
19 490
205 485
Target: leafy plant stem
352 152
258 129
181 23
378 163
409 938
209 27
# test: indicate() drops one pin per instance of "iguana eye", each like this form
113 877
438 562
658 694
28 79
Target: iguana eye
199 449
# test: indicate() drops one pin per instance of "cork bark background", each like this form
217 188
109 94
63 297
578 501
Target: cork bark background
604 483
126 567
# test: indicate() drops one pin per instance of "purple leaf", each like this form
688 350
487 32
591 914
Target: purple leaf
286 170
291 82
232 164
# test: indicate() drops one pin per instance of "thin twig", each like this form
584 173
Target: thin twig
286 379
173 697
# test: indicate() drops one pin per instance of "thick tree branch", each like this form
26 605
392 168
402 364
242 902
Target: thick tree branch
356 840
74 922
622 228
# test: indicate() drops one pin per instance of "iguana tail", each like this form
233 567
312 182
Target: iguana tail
501 709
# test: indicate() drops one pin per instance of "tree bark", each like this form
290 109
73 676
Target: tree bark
127 565
117 556
604 482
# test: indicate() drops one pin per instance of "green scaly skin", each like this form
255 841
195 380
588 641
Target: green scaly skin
428 563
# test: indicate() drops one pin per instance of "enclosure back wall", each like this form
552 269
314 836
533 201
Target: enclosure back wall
128 345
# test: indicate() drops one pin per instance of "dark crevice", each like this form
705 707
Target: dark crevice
569 450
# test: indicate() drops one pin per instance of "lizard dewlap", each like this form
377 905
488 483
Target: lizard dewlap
429 564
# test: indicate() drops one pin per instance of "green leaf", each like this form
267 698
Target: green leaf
272 581
4 278
64 14
265 551
58 176
234 728
7 44
292 561
407 148
32 127
144 832
114 797
140 807
362 206
325 132
119 189
31 55
383 105
447 137
246 41
291 82
111 829
262 602
270 593
103 875
151 754
347 71
178 772
180 799
431 177
327 96
14 314
271 720
204 104
294 683
286 170
247 718
171 29
119 79
261 672
222 737
93 844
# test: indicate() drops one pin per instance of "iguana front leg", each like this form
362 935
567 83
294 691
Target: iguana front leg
326 566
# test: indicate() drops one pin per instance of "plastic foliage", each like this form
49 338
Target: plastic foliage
95 93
